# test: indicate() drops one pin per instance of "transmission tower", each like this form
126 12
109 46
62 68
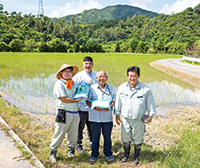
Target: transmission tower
40 9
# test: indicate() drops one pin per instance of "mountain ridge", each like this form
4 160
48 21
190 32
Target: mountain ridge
109 12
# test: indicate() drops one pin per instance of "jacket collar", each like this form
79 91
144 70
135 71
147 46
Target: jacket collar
138 86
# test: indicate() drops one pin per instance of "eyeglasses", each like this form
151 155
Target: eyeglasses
67 71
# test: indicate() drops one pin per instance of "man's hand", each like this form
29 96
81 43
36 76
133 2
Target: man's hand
101 109
90 82
77 100
148 120
118 119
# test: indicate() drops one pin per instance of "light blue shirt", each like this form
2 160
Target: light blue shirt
96 93
60 90
84 77
134 104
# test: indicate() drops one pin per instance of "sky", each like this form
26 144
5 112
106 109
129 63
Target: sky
59 8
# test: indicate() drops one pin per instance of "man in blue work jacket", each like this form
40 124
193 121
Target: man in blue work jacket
132 101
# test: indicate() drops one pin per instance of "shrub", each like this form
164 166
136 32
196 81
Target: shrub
30 45
70 50
117 48
57 45
4 46
16 45
43 47
76 47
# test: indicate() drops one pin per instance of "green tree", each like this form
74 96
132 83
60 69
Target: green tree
57 45
16 45
141 47
30 45
43 47
160 46
117 48
83 48
133 44
197 9
50 27
4 46
76 47
1 8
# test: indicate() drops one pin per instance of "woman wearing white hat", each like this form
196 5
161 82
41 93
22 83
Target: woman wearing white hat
67 117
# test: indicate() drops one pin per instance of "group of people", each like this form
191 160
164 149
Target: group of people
130 104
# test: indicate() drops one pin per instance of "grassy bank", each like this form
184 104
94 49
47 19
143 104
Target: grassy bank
182 127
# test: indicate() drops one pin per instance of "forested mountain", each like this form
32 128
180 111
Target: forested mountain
178 33
107 13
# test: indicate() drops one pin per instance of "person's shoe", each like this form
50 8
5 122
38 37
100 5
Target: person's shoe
53 156
93 159
71 152
110 158
79 149
124 159
136 161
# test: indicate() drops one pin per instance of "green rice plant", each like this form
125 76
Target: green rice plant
33 64
33 68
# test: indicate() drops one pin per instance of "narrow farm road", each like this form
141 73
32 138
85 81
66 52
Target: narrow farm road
176 64
10 156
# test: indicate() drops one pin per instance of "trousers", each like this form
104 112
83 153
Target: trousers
106 129
83 121
68 130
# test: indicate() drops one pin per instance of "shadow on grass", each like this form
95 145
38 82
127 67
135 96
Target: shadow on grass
147 155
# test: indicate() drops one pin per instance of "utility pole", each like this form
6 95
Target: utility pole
40 9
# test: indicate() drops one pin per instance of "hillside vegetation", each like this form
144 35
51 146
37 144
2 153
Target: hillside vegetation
107 13
178 34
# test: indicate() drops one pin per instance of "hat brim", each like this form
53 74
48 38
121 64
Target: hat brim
64 66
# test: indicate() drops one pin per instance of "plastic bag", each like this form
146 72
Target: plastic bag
82 91
101 104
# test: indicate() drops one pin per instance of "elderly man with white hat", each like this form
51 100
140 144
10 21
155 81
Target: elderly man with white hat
67 117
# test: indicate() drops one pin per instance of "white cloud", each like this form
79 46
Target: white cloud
141 3
75 7
179 6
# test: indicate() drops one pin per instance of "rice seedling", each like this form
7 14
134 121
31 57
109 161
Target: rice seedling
31 88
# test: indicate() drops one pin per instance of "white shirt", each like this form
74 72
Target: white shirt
96 93
84 77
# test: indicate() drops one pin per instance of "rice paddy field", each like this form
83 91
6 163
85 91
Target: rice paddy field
28 78
26 82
